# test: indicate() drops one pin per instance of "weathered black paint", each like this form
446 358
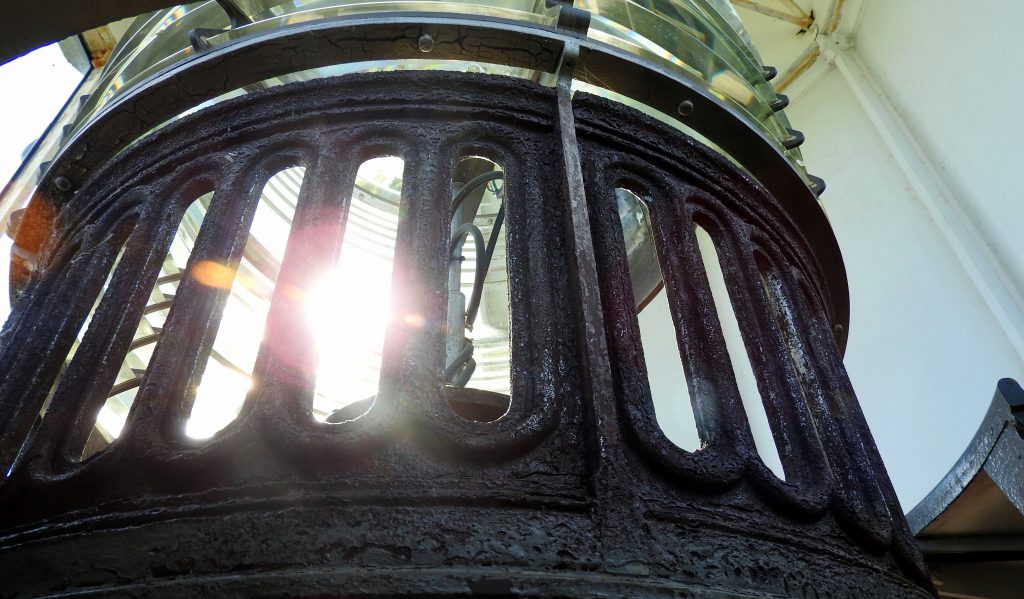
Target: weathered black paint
575 492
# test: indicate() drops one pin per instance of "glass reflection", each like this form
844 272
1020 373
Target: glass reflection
644 270
699 39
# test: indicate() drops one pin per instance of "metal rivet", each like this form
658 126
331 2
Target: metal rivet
62 183
685 108
425 43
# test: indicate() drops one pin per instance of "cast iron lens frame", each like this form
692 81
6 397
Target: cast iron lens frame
390 36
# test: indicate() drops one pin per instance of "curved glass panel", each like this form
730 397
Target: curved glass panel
701 40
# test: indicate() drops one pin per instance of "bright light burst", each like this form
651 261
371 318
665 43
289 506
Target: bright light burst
348 309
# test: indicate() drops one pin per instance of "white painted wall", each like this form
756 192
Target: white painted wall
952 69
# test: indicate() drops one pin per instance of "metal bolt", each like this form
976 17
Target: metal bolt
685 108
62 183
425 43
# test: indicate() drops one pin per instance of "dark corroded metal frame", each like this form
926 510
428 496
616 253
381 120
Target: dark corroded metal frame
260 56
574 493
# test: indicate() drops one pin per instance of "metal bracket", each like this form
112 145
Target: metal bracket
570 18
235 14
817 184
796 138
781 101
197 37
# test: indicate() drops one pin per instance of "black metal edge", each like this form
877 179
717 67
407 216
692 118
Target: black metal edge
795 139
998 432
973 548
817 184
781 102
35 24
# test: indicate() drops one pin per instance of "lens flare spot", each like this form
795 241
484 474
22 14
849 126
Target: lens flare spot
295 294
414 320
213 274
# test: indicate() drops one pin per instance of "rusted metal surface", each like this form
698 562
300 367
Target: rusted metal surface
574 492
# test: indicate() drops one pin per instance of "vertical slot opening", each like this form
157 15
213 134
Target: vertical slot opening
80 336
227 376
670 392
349 309
746 380
112 415
84 329
477 375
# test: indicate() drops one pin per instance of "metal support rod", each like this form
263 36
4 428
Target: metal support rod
236 15
803 22
834 17
805 62
492 242
609 481
795 8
